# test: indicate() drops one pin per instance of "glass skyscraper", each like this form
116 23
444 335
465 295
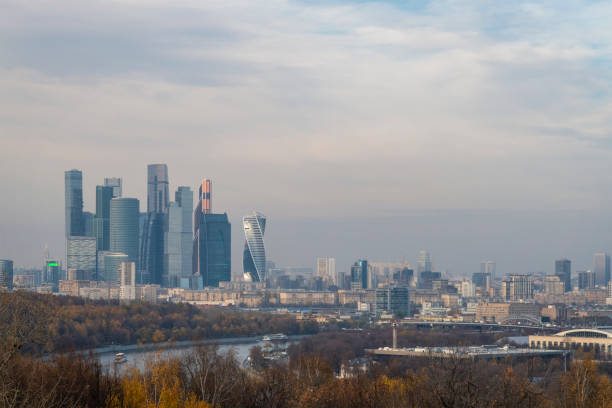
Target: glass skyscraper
104 195
359 275
124 214
212 239
563 269
177 241
157 188
73 183
81 254
254 255
601 268
115 183
6 274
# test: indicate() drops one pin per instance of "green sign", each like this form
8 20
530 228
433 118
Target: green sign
52 264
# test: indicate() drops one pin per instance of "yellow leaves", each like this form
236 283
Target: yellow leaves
584 387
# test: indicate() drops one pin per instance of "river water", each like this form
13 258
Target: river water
138 355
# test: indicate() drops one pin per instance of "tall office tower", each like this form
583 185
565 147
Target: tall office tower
205 196
177 241
124 215
326 269
254 255
586 280
114 183
601 268
112 260
88 224
157 188
152 243
212 254
563 269
517 287
127 273
488 267
81 254
359 275
152 247
424 263
403 277
104 195
73 181
6 274
51 272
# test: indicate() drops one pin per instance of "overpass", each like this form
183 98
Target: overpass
478 325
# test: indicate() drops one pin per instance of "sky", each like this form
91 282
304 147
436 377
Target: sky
475 129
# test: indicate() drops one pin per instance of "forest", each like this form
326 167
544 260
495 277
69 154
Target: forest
71 323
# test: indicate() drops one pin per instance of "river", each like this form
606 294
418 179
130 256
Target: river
137 355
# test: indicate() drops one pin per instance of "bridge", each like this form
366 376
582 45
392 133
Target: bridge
508 324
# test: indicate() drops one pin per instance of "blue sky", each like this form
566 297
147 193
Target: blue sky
294 108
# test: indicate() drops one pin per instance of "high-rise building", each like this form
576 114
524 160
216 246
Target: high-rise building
554 285
152 242
517 287
563 269
326 269
104 195
73 182
254 255
157 188
51 272
115 183
127 273
81 254
205 197
426 279
178 235
6 274
424 263
124 216
152 247
393 299
212 256
488 267
88 224
586 280
359 275
112 260
601 268
403 277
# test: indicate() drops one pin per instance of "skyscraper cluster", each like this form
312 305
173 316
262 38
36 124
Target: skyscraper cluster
172 244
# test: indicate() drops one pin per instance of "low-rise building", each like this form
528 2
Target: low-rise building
502 312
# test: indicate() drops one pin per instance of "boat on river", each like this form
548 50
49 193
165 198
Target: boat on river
275 337
120 358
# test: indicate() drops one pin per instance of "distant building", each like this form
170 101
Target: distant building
403 277
517 287
73 183
601 268
254 255
359 275
563 269
52 272
112 260
124 216
553 285
212 251
502 312
81 254
6 274
586 280
157 188
488 267
127 273
426 279
115 183
424 263
104 195
88 224
178 246
393 299
326 269
481 280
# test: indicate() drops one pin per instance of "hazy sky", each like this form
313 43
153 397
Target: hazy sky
477 129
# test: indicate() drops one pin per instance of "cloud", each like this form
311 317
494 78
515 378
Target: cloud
310 107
